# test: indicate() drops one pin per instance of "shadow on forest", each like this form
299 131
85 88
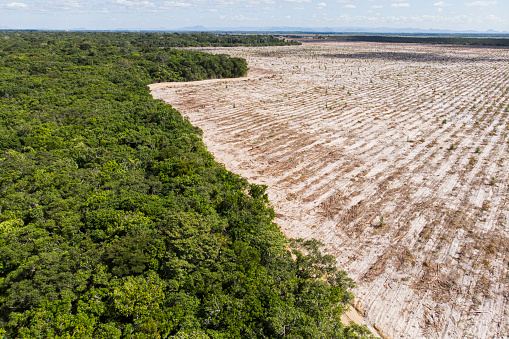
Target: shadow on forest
414 57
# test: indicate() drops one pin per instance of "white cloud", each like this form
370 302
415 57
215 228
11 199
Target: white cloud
177 4
297 1
494 18
481 3
349 6
321 5
134 3
404 4
441 4
252 3
238 18
16 5
63 4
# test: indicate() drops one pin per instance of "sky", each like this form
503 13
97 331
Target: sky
456 15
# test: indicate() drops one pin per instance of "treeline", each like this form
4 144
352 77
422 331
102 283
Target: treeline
126 56
225 40
150 41
115 221
442 40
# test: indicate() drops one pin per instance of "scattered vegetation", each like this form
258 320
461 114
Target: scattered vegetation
381 222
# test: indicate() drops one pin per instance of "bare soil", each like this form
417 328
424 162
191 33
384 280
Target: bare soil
395 156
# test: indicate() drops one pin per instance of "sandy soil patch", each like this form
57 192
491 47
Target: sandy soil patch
395 156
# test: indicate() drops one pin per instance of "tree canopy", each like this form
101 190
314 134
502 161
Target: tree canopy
115 221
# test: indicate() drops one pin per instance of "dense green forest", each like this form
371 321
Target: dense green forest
224 40
435 40
115 221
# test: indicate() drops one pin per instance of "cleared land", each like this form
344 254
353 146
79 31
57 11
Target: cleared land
395 156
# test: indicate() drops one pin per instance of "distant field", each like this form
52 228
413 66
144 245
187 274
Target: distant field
394 155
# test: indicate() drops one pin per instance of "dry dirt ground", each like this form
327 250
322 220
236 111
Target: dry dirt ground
395 156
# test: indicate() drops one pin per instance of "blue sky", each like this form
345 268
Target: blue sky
455 15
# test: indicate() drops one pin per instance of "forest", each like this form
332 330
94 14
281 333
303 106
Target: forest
115 221
415 39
